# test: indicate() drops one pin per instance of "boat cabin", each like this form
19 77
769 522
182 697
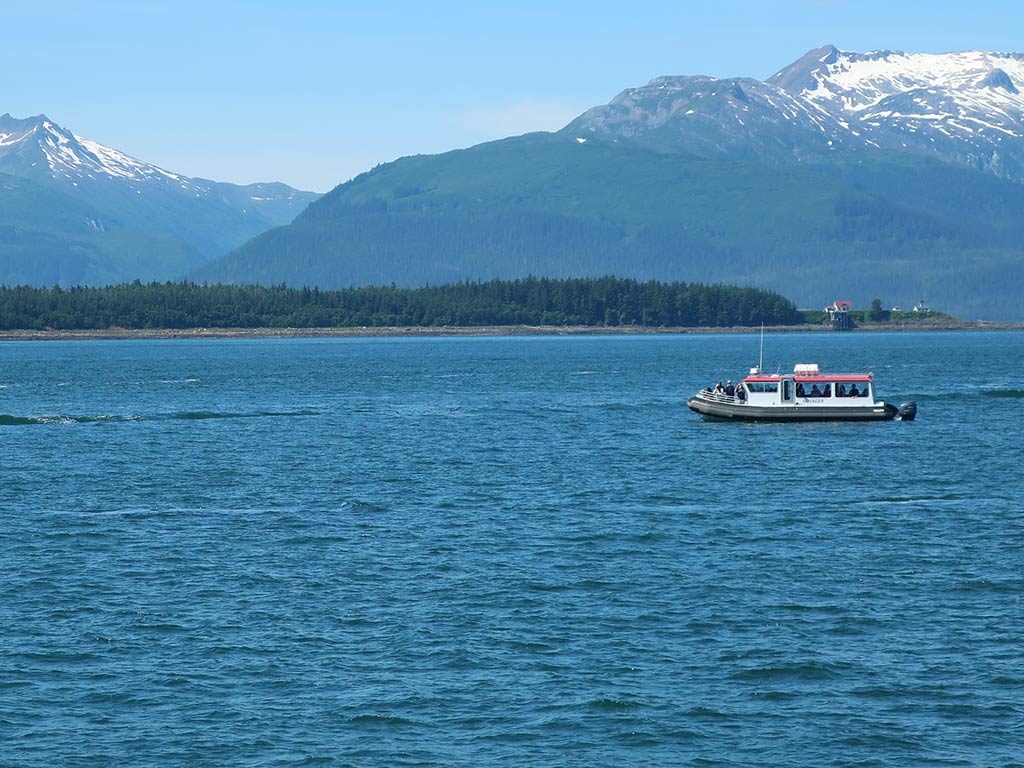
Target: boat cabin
808 386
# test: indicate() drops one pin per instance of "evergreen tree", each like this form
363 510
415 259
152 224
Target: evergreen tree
607 301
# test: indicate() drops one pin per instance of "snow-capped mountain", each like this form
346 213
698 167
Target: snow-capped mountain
36 145
962 107
131 211
39 149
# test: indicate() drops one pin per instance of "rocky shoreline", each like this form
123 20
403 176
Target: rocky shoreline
499 330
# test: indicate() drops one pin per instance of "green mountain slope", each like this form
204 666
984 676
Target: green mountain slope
855 226
48 237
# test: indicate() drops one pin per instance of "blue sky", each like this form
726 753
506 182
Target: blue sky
312 92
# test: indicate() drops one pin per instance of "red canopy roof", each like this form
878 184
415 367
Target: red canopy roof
822 378
825 378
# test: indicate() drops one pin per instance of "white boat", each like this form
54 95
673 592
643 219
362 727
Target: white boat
806 394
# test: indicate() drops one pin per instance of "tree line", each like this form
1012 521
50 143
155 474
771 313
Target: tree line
605 301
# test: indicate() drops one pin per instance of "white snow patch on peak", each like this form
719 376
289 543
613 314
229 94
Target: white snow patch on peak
10 139
862 80
115 163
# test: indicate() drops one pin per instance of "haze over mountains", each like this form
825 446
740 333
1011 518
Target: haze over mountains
74 211
845 175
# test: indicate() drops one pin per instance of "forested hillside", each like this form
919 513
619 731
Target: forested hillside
899 228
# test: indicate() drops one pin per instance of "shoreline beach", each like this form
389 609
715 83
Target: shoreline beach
503 330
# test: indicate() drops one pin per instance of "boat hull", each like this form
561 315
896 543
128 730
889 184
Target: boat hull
719 411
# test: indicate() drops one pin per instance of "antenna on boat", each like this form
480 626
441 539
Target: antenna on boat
760 359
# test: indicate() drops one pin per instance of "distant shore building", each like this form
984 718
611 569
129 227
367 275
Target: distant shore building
839 315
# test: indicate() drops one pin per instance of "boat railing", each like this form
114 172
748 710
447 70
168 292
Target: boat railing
720 397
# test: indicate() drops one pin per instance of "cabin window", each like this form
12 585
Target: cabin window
762 386
852 389
814 389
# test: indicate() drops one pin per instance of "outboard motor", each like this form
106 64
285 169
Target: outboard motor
907 411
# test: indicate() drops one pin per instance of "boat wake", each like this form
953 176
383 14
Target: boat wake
200 415
967 395
8 420
1010 393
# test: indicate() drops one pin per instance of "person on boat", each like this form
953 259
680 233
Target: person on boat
741 393
800 389
854 392
841 390
730 390
719 389
815 392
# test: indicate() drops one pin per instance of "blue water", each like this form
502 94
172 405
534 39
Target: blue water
506 551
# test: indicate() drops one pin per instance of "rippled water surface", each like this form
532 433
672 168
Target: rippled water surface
506 551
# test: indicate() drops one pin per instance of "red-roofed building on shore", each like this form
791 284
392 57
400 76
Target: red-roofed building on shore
838 315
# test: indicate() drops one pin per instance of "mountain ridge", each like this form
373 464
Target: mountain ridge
963 107
698 178
145 222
